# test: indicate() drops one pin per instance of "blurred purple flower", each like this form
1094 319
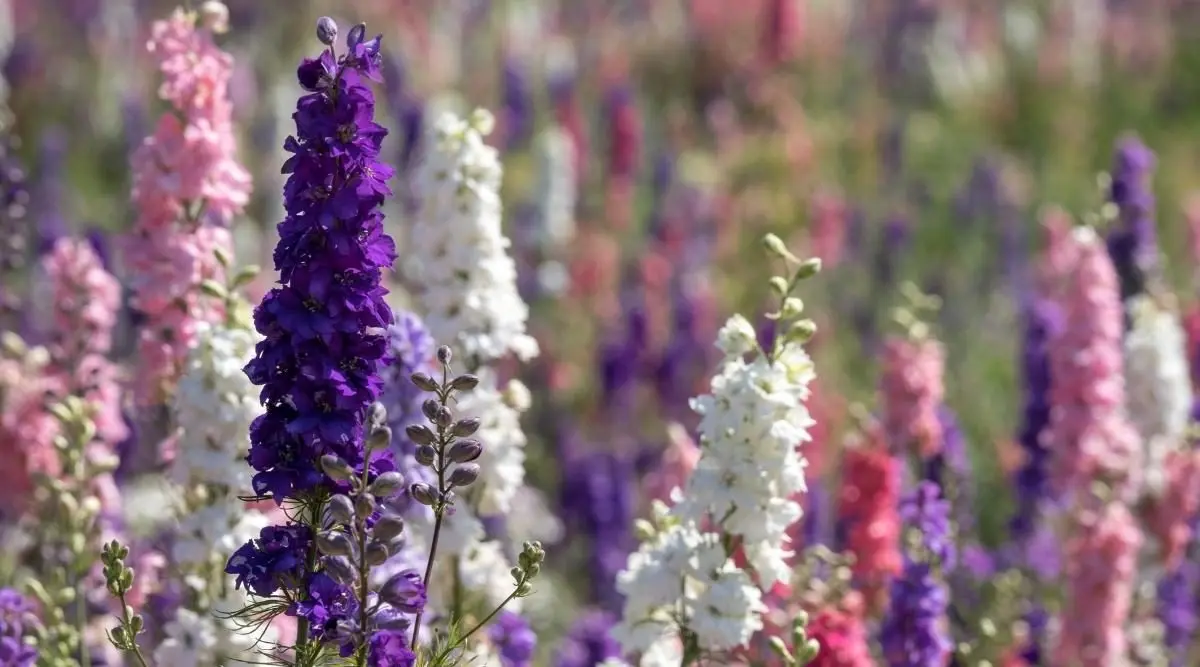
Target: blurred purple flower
597 500
1177 610
1133 243
516 642
1041 321
589 642
517 106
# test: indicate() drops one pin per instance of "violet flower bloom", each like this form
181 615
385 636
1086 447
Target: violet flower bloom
913 633
1177 611
1133 244
517 106
18 619
512 637
589 642
598 499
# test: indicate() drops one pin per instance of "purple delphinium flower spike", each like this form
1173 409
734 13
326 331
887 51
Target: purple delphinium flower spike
598 501
513 639
1041 320
913 632
324 349
48 193
1132 243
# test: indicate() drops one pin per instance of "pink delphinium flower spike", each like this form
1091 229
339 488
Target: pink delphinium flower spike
1101 563
86 300
1090 436
912 390
868 507
187 185
1169 517
27 429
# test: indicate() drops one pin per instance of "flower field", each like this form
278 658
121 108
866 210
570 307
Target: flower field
655 333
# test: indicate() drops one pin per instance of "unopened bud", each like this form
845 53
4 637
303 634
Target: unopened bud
465 451
420 434
379 438
444 417
423 382
423 493
339 568
808 268
327 30
387 485
464 475
364 505
341 508
377 553
387 527
430 409
336 468
444 355
376 414
356 36
333 543
465 427
426 455
792 307
214 15
775 246
465 382
779 285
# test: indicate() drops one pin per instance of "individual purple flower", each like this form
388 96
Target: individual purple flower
512 637
589 642
326 603
405 592
390 649
273 561
1132 243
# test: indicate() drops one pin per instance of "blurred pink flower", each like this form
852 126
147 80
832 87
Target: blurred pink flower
1169 517
678 461
828 229
868 508
187 183
1101 563
1091 439
843 638
86 298
911 391
150 567
27 431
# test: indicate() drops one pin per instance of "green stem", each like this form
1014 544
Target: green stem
440 506
310 561
363 570
127 622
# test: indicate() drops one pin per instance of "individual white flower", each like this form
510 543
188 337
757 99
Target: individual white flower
191 641
465 280
737 337
1158 385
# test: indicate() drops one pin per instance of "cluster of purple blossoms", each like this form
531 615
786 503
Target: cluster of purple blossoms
914 632
513 639
17 620
321 363
319 366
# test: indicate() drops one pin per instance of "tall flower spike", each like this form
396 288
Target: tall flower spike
187 186
466 281
320 363
1133 243
324 345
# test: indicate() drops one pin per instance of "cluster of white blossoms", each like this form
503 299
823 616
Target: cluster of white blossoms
683 579
466 281
1158 384
213 408
465 288
750 467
